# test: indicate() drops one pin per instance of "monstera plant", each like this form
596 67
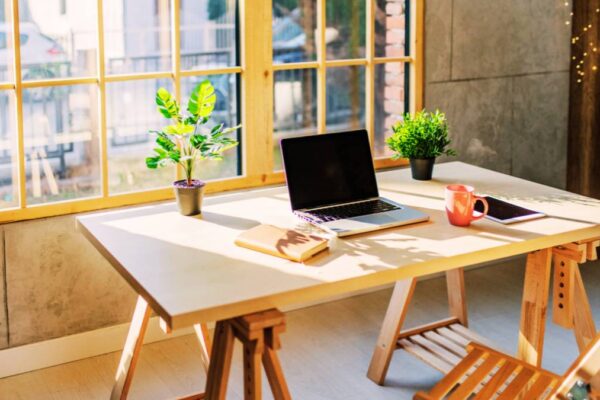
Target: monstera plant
187 140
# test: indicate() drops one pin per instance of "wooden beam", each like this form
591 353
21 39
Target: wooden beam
583 171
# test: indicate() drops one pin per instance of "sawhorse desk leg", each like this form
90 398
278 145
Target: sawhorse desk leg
133 346
391 330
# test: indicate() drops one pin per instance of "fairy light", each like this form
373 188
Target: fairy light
587 46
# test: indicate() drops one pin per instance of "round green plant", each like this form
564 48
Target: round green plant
422 136
187 139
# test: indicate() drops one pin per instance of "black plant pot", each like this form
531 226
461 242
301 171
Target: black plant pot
422 168
189 198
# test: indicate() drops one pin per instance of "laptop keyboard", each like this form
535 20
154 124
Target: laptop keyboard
349 210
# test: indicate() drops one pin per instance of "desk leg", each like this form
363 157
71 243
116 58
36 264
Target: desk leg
390 330
457 295
204 342
534 306
220 364
131 352
583 320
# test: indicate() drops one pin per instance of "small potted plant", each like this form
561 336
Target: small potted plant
188 140
421 138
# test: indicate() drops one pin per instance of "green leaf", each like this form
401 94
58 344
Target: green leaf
167 105
202 100
180 129
164 141
152 162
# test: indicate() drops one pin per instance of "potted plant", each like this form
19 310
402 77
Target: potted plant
421 138
188 140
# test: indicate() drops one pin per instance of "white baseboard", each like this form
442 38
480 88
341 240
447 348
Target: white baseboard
31 357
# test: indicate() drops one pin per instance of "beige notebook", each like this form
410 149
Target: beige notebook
284 243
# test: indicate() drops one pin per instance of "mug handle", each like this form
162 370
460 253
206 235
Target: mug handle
486 208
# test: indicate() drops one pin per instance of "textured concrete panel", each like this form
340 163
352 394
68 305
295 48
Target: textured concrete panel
541 122
479 115
438 40
58 284
505 37
3 316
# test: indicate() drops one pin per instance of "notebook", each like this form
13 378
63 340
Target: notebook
280 242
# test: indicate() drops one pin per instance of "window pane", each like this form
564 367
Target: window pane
6 48
295 107
61 143
391 102
9 194
391 27
130 113
208 34
294 31
345 33
345 98
54 45
137 36
226 111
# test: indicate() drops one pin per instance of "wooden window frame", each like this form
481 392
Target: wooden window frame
255 70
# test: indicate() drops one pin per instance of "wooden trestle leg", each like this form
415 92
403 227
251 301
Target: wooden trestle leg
259 334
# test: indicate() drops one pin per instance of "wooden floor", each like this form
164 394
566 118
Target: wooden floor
326 350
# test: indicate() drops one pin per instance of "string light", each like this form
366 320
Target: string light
575 39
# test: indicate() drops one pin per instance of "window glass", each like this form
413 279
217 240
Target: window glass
58 45
9 171
294 31
62 150
345 98
390 28
131 113
208 34
346 27
391 102
137 36
226 111
295 107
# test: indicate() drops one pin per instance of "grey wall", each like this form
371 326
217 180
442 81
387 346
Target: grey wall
497 67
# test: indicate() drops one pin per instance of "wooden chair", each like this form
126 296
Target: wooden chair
485 374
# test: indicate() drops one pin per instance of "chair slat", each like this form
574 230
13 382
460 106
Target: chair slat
455 337
541 386
465 390
425 356
456 375
517 385
472 336
498 381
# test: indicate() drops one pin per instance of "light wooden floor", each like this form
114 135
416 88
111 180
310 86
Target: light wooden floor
326 349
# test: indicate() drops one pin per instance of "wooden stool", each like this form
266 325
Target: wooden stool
485 373
259 334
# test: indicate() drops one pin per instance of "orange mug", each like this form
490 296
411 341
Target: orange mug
460 205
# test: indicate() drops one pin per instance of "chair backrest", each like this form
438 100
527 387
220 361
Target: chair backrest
584 371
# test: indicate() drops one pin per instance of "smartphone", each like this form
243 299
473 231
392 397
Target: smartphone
507 213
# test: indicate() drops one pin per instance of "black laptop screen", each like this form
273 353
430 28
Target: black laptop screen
328 169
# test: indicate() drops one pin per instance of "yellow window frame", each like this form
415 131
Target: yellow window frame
256 72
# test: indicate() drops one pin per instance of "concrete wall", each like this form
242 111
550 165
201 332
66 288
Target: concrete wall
497 67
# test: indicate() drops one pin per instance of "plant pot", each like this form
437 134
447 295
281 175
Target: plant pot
422 168
189 198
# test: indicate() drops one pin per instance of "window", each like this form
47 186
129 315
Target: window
77 88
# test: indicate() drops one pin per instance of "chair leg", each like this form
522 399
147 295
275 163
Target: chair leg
390 330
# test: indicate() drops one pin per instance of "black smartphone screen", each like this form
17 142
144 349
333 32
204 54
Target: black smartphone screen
502 210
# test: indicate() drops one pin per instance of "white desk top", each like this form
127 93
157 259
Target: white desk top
190 271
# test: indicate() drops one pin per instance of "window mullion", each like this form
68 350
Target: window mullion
176 60
417 18
370 71
257 86
322 70
16 42
102 99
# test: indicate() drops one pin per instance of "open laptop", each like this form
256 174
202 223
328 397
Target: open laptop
331 182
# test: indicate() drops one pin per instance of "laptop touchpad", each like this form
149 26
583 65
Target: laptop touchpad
377 219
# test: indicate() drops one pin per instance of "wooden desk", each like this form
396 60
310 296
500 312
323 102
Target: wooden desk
189 271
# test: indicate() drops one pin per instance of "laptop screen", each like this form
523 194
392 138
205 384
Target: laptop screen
328 169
